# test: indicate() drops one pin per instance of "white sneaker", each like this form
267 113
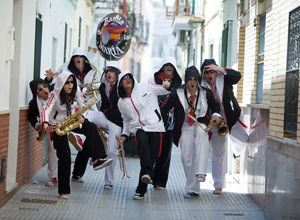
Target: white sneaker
78 179
109 187
63 196
138 196
146 179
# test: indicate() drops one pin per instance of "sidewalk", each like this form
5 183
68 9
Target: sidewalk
89 200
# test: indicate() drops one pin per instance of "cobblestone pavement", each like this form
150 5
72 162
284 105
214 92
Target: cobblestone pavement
89 200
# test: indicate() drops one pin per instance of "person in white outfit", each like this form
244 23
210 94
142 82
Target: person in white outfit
220 80
109 118
40 91
141 116
191 99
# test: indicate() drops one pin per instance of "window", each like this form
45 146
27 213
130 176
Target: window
260 59
211 51
292 75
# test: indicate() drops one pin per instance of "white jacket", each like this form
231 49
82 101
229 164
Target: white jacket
141 110
53 112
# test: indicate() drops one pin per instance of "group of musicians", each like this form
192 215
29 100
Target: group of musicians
158 113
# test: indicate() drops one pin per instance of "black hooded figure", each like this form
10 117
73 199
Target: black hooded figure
191 98
165 73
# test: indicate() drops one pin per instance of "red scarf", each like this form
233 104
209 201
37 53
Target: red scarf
162 76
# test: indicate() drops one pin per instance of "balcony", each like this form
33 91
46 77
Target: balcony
185 13
105 4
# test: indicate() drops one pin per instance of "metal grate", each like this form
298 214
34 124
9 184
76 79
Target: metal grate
39 201
292 73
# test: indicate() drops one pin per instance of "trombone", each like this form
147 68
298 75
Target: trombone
222 127
122 158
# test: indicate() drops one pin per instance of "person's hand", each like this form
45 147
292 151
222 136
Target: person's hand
215 68
88 90
40 128
122 139
48 128
216 119
166 84
49 74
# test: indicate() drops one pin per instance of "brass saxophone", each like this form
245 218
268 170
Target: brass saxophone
41 137
72 122
222 127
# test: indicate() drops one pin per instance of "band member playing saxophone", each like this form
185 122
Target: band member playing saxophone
192 99
59 106
220 80
109 118
141 116
40 91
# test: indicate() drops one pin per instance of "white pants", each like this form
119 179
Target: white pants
239 136
99 119
194 153
52 159
218 144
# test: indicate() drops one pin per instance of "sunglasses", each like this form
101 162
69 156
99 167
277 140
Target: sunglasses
192 78
109 70
210 71
126 77
41 88
69 81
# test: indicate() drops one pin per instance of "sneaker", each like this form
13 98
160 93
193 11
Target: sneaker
52 182
217 191
63 196
191 195
237 158
200 177
109 187
77 179
76 141
101 163
138 196
158 187
146 179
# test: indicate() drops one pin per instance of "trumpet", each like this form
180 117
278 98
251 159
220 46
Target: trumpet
102 133
222 127
89 84
122 158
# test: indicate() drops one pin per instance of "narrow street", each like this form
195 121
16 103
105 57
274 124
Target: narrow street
90 201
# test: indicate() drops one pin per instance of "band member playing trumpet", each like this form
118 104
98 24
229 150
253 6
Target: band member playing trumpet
59 106
40 91
220 80
192 99
141 116
109 118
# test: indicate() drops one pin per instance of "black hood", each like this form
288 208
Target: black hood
192 71
207 62
34 84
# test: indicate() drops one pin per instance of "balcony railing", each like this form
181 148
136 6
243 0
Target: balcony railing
105 3
186 8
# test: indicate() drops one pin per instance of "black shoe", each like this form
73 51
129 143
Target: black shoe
191 195
101 163
138 196
237 158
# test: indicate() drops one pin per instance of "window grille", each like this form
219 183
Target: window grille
292 73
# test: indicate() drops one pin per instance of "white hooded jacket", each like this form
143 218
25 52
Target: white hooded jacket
53 112
141 110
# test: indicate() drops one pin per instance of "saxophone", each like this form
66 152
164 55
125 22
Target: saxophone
71 122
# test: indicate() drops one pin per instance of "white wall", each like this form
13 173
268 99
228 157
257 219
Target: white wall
6 21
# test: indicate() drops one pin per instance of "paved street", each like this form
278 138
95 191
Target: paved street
90 201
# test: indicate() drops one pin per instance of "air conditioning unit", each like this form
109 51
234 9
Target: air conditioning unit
183 37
